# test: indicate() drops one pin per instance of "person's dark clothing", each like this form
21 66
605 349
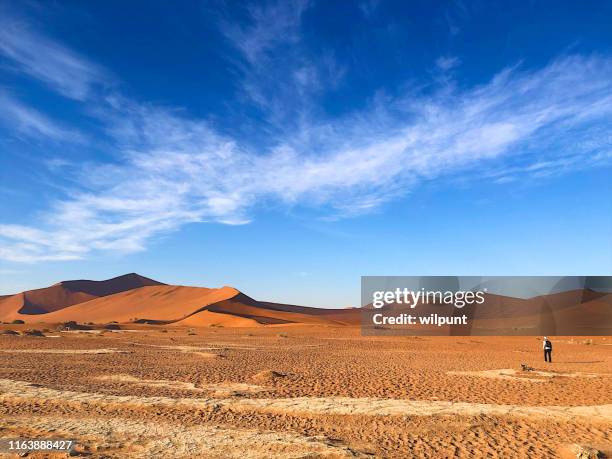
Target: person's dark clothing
548 351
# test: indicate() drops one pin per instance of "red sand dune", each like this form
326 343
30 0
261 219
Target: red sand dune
193 306
65 294
557 314
213 319
160 303
346 316
10 306
244 306
133 298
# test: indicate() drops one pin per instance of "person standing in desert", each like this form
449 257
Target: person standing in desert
547 346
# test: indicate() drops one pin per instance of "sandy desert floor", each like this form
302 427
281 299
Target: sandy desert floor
304 392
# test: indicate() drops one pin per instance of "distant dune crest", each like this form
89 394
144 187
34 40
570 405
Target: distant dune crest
132 298
68 293
135 298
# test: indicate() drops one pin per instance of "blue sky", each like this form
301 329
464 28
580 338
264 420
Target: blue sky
288 148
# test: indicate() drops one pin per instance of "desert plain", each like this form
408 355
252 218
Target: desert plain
147 370
303 391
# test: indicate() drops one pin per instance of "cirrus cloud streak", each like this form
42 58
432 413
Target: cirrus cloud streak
173 170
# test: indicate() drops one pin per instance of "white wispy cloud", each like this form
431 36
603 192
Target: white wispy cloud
270 25
48 61
27 121
173 170
446 63
278 72
369 7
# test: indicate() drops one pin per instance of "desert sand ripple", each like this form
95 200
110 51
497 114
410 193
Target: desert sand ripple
16 390
142 439
220 390
63 351
515 375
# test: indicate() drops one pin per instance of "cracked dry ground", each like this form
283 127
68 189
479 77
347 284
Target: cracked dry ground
304 392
